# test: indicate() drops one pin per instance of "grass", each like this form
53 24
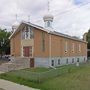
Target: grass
37 69
77 78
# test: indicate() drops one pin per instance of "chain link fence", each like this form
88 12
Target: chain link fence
41 76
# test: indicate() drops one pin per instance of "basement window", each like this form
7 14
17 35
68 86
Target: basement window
67 61
73 60
52 62
77 59
84 59
58 61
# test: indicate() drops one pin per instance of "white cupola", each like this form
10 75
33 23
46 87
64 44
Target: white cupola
48 19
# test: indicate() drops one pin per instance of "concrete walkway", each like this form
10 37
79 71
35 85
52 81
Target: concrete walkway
1 72
7 85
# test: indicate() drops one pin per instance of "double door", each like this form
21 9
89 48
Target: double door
27 51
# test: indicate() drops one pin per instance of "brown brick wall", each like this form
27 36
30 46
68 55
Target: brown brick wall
38 44
57 46
16 45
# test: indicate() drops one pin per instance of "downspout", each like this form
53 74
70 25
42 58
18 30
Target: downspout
21 45
50 50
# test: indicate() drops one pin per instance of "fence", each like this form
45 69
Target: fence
42 76
88 58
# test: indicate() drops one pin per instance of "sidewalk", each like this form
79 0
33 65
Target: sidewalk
7 85
1 72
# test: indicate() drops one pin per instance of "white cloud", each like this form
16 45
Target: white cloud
71 16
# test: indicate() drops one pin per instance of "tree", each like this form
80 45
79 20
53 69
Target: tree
4 42
88 39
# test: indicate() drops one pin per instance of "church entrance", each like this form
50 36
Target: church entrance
27 51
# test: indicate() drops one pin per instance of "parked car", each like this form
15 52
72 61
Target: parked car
6 57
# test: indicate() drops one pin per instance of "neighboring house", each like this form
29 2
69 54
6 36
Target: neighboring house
45 47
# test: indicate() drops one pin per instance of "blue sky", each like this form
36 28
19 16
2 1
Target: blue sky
78 2
71 17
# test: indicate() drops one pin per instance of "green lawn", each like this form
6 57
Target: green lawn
77 78
37 69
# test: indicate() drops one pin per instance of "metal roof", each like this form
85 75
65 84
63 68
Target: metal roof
46 30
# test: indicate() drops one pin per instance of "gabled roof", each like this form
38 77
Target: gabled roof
46 30
33 25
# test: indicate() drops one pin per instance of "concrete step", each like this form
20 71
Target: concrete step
15 64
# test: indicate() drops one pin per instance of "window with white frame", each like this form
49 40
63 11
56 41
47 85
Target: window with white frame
31 34
66 47
27 33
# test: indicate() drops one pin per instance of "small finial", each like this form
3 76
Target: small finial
16 17
28 18
48 5
49 1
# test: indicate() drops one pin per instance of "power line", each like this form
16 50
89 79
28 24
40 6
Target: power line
74 7
69 10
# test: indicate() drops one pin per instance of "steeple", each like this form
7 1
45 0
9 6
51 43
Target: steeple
48 18
28 18
15 24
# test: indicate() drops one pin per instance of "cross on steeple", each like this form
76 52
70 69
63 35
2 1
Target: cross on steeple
28 18
48 5
16 17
